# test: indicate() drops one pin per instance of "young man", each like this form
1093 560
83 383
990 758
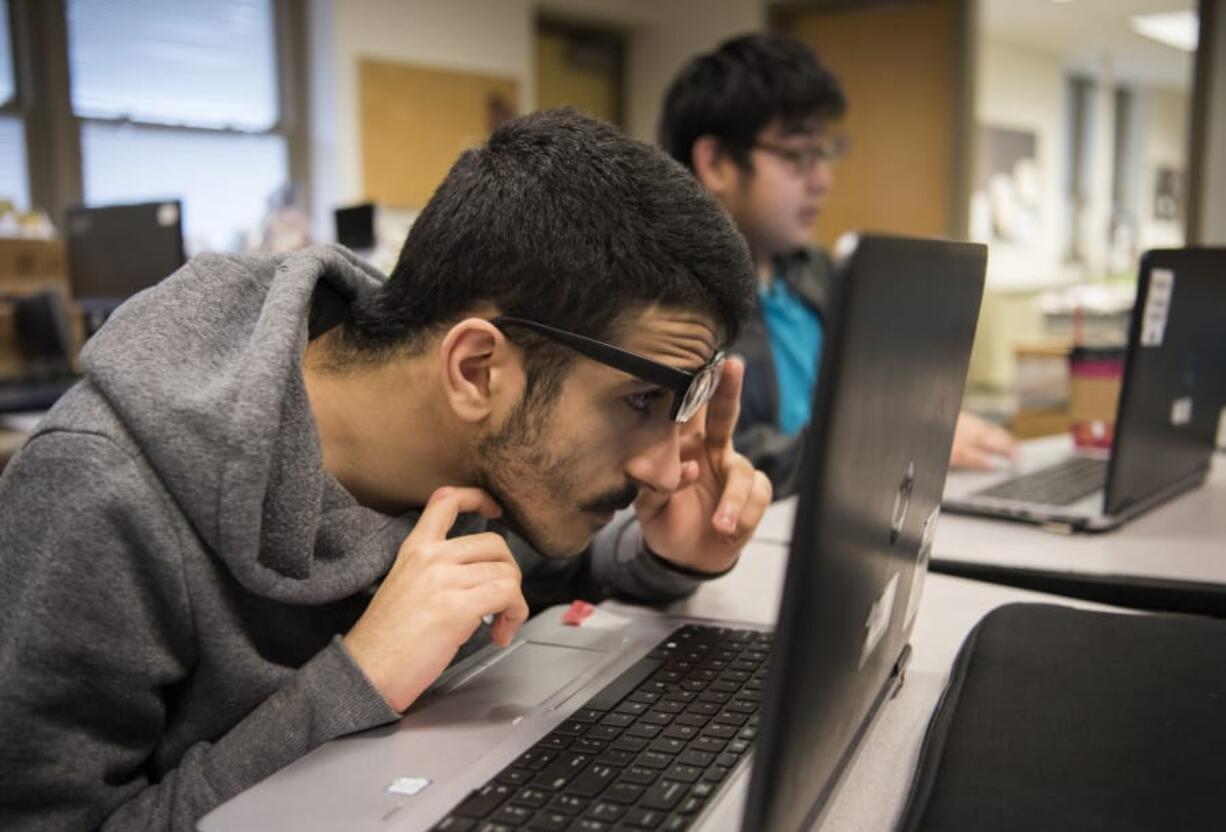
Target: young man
752 120
288 493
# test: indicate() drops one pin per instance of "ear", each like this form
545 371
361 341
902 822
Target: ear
714 166
480 372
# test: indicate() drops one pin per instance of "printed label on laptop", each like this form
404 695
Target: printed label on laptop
921 567
878 621
1157 307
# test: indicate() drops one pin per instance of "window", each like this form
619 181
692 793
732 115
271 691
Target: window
14 184
179 100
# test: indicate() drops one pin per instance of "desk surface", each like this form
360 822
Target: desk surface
1183 540
873 792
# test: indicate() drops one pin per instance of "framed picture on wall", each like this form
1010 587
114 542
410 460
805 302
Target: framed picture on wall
1168 194
1006 204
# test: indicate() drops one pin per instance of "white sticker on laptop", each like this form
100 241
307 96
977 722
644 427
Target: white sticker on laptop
921 567
1181 411
1157 307
168 213
878 622
408 786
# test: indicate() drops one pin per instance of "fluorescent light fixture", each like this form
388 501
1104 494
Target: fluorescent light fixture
1175 29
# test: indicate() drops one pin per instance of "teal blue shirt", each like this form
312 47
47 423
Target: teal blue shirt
796 342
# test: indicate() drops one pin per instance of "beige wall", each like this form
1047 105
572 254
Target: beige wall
488 36
1020 89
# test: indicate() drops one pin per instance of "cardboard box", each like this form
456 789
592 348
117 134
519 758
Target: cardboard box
32 261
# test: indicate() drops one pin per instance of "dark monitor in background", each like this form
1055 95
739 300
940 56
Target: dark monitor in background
355 226
117 250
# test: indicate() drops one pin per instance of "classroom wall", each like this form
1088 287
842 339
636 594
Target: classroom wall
1020 89
488 36
1164 144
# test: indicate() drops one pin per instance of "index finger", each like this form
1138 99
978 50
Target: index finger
448 503
725 406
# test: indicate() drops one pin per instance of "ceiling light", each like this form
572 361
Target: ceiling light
1176 29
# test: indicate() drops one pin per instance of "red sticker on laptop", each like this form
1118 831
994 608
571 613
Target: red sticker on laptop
577 613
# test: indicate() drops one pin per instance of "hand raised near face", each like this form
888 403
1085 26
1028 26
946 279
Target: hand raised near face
705 523
434 598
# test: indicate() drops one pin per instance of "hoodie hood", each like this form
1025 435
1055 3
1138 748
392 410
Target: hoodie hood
204 371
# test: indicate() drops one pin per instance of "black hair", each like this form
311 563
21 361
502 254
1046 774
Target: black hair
744 85
562 219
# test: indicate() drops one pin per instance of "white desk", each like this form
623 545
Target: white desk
873 791
1176 550
1182 540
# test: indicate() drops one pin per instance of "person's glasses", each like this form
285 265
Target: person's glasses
690 389
802 160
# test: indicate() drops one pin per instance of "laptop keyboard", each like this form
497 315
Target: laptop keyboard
647 752
1060 485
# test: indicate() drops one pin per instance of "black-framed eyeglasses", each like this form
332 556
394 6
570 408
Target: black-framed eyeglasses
803 160
690 389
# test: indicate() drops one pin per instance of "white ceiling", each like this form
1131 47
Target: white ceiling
1086 33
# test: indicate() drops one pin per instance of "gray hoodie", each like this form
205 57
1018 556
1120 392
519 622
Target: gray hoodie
176 566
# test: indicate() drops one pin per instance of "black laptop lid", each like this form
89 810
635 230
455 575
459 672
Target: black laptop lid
1174 382
117 250
891 382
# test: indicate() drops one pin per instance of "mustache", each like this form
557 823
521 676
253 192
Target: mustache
613 501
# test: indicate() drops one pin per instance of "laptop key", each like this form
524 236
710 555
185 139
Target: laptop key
513 815
684 773
701 759
587 745
628 743
644 818
633 708
532 798
654 759
676 824
454 823
664 795
681 732
589 825
571 728
623 793
640 775
587 715
618 720
484 801
593 780
690 805
623 685
613 757
568 804
707 743
715 774
515 776
667 745
560 772
549 822
535 759
606 811
603 732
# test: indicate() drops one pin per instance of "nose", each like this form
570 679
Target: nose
657 465
818 177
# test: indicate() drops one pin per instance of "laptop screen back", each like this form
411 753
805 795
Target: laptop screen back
875 457
117 250
1174 383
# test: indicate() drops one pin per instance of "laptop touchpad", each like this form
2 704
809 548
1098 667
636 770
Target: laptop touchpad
528 674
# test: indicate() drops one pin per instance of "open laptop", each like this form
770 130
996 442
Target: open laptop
654 721
1173 390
